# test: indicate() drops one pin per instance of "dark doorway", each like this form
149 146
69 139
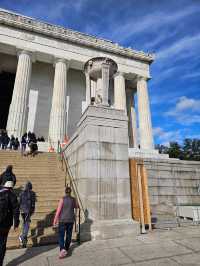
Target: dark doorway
6 90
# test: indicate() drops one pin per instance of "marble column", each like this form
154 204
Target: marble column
88 89
93 88
18 112
105 83
119 92
145 126
98 95
58 117
132 119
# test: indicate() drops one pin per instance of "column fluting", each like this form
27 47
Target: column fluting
88 89
132 119
57 124
119 92
18 111
105 83
145 126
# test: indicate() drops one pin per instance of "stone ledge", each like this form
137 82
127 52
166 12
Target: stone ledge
30 24
145 154
110 229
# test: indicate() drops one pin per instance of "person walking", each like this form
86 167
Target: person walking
27 208
12 142
5 140
65 218
16 144
8 175
23 143
9 211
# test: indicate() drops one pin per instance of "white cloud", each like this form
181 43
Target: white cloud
191 75
164 137
186 111
151 22
185 103
186 46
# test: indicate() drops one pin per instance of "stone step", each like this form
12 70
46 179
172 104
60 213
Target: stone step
37 238
48 183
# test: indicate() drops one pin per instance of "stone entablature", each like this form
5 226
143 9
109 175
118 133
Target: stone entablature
30 24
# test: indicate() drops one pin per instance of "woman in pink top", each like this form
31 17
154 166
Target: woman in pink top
65 217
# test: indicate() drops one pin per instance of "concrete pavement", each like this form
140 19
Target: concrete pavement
179 246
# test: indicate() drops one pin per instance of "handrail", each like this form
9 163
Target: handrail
69 174
75 189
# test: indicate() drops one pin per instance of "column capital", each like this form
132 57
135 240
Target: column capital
105 64
119 73
62 60
21 51
142 78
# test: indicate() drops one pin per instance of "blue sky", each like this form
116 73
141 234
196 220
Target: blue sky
170 28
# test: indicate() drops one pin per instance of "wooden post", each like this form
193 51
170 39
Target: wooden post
147 209
141 198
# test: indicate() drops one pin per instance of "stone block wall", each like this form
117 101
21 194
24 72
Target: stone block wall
98 159
172 182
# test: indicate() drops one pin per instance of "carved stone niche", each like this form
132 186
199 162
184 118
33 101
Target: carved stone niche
101 70
94 67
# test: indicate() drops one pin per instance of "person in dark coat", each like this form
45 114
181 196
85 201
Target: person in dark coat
16 144
5 140
1 134
23 142
9 213
12 142
7 176
27 208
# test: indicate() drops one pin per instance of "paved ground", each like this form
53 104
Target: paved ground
180 246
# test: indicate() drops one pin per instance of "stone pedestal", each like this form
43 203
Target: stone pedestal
57 124
18 111
98 158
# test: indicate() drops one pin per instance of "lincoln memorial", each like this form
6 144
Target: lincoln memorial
62 84
49 75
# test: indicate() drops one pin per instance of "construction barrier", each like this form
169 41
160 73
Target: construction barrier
139 193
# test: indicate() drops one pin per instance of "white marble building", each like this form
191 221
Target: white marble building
45 88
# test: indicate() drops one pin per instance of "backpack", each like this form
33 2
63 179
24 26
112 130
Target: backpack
27 201
4 204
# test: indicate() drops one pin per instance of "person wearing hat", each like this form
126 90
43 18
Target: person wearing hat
9 215
65 217
8 175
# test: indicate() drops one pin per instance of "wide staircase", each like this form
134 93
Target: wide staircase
48 179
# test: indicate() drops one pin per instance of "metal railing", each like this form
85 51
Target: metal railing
70 181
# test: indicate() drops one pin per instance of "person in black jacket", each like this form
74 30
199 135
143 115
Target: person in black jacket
7 176
27 208
9 211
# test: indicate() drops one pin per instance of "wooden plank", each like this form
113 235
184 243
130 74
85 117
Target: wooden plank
147 210
134 166
134 190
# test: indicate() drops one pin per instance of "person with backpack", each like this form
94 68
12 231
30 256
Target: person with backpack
8 176
27 208
65 217
9 213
